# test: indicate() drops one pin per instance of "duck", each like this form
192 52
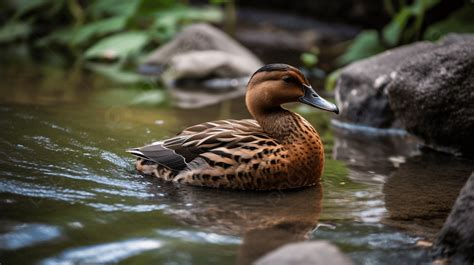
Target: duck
277 149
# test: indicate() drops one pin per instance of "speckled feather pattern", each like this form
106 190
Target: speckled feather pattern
238 154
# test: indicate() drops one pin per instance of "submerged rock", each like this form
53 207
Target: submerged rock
426 88
202 66
201 50
305 253
456 239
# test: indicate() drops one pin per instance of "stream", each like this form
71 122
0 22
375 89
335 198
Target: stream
69 193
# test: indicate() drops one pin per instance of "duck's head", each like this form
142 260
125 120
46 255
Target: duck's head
276 84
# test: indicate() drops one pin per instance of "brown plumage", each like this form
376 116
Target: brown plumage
277 150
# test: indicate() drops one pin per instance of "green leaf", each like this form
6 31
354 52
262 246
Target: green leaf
419 7
131 96
167 21
14 30
112 8
392 32
149 7
151 97
460 22
118 46
218 2
309 59
331 80
26 6
101 27
116 74
364 45
60 36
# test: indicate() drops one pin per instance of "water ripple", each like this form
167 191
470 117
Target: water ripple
104 253
26 235
199 236
120 207
114 159
40 191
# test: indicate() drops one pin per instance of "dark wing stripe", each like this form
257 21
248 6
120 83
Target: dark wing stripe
164 156
135 152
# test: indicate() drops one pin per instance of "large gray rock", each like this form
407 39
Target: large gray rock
426 88
456 37
432 93
305 253
456 239
361 91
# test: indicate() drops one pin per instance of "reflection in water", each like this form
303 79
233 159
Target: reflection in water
105 253
420 194
381 154
418 188
198 99
26 235
264 220
369 160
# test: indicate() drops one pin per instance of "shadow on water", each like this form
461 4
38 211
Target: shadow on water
69 194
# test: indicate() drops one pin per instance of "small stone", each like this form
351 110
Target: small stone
305 253
424 244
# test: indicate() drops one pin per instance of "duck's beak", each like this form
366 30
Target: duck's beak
313 99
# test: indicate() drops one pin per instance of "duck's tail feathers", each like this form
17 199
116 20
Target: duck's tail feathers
136 152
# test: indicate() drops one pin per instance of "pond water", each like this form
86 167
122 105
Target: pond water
69 194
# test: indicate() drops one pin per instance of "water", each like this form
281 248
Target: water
69 194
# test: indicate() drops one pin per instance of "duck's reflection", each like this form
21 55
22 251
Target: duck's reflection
264 220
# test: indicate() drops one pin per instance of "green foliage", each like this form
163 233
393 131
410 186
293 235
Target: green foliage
406 27
309 59
118 46
116 73
130 97
460 21
118 32
166 22
13 31
364 45
102 27
331 80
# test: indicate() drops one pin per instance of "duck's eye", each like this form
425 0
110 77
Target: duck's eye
289 79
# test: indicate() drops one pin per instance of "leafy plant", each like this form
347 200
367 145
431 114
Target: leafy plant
364 45
459 21
115 32
406 27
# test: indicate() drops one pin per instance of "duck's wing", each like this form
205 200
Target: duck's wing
211 138
240 125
